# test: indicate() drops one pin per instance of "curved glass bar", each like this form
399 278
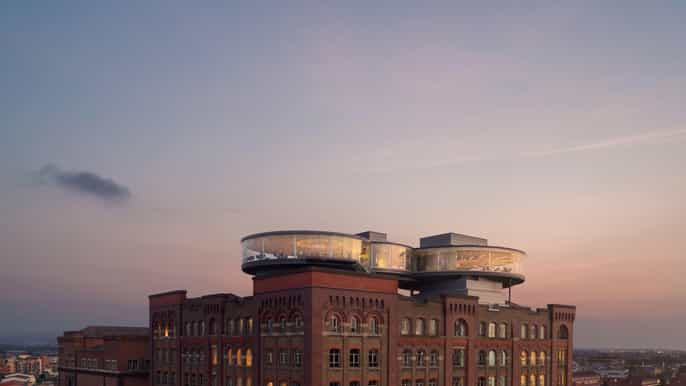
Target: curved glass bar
477 259
289 245
294 246
387 256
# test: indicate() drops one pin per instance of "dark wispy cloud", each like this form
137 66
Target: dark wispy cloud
84 182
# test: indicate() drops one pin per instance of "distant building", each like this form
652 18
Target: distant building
586 378
104 356
29 364
18 379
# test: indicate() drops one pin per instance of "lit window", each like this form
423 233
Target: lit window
541 358
419 326
482 358
491 359
523 357
248 358
405 327
491 330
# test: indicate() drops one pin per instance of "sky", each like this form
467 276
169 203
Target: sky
139 141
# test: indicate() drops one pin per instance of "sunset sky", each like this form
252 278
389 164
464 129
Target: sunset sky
140 140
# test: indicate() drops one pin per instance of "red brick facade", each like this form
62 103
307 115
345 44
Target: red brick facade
325 327
104 356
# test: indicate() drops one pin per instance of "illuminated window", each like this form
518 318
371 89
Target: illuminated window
491 358
239 357
419 326
248 358
405 326
229 356
249 331
491 381
491 330
532 358
215 355
541 358
523 357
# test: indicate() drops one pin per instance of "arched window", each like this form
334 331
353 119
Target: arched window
407 358
491 330
419 326
194 328
334 358
354 325
421 358
202 328
541 332
405 326
189 331
524 356
523 331
334 324
213 327
282 324
165 332
239 326
229 327
482 329
541 358
248 357
270 325
433 359
229 356
491 358
534 332
563 332
239 357
532 358
482 358
502 330
460 328
503 358
433 327
374 326
541 380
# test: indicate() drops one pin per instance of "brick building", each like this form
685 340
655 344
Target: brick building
357 310
104 356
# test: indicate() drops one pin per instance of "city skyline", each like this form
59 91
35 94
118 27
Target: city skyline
140 143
